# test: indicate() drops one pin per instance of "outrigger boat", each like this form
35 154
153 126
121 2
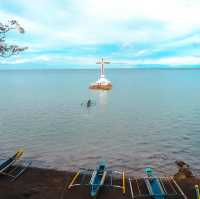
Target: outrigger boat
88 103
97 179
9 167
155 188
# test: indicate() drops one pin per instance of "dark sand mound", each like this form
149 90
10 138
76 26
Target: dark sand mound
38 183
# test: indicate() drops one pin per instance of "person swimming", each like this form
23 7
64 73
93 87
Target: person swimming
89 103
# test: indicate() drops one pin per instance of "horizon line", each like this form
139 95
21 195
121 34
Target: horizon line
142 68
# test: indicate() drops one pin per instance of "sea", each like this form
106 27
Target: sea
151 118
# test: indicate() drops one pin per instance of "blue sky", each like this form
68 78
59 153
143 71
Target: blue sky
129 33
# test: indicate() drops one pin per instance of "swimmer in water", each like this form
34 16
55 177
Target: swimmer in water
89 103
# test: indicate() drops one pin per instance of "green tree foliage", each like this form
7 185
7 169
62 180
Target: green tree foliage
5 49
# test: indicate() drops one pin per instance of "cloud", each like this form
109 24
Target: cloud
137 31
89 62
51 58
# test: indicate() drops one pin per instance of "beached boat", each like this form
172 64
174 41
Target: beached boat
97 179
4 164
10 169
154 187
102 83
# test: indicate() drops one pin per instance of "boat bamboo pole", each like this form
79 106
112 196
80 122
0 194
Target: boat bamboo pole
197 192
180 190
138 187
19 153
131 188
6 174
124 184
73 180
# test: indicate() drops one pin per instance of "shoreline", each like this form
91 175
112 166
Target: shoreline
40 183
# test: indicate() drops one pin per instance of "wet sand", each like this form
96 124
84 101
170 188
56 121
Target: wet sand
38 183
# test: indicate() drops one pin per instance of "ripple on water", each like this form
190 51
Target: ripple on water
144 121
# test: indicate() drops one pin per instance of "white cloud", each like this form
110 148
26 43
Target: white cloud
187 60
170 61
29 25
51 58
173 12
56 24
105 21
90 61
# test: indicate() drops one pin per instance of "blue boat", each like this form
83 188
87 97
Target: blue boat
154 186
98 178
9 168
4 164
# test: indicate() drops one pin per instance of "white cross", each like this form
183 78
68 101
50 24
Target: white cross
102 62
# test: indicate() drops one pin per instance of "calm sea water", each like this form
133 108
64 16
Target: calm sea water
150 118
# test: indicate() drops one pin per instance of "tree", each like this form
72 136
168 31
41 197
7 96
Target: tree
5 49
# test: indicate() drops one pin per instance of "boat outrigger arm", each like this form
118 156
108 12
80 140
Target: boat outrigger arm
97 179
13 167
156 188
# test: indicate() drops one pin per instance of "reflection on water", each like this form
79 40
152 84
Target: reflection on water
103 98
150 118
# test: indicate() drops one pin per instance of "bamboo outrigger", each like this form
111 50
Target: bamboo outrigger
97 179
10 167
155 188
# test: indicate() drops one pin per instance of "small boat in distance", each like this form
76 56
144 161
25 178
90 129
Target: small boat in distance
102 83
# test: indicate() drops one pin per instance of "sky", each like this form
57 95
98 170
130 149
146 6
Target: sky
129 33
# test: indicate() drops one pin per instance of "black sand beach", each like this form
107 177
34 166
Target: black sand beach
38 183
